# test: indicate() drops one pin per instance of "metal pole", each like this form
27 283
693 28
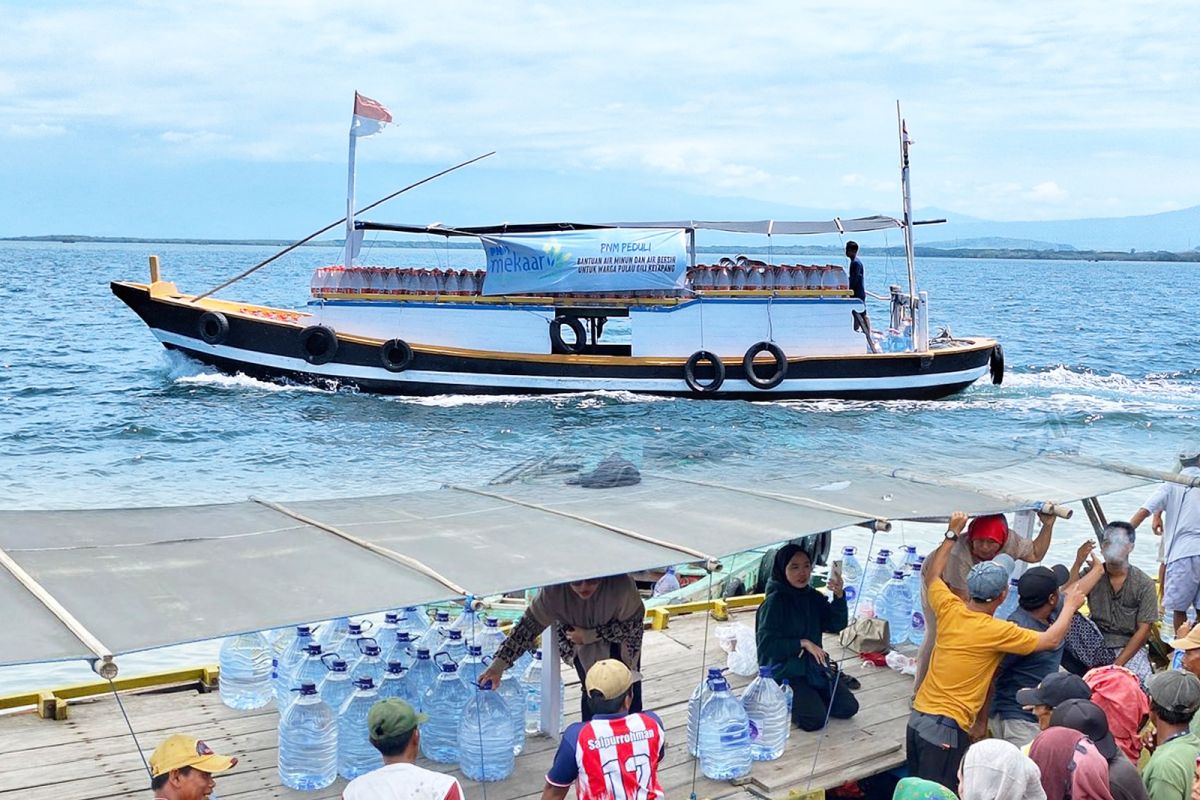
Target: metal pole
348 257
551 706
906 194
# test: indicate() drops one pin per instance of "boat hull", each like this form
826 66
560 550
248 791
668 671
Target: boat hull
266 344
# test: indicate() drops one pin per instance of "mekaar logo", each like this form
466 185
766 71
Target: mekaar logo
505 258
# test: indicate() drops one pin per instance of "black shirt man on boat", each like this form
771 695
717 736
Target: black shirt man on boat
858 282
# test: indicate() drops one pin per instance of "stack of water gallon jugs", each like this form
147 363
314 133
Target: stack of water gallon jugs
325 678
727 734
889 587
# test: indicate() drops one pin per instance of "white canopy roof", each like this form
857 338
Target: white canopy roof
81 584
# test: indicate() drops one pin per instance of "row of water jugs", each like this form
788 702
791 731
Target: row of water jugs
755 275
389 280
324 685
888 588
727 733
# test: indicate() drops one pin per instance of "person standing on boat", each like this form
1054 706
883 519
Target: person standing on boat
789 625
858 278
181 768
1179 575
1123 604
971 644
593 620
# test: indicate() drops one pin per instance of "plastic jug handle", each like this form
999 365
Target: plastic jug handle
369 639
328 664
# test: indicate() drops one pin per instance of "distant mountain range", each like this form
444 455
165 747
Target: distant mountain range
1175 231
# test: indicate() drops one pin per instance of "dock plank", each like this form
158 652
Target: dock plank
91 756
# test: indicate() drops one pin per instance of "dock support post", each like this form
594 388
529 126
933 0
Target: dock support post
551 706
154 269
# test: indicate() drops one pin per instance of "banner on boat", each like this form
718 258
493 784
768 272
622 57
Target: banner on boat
605 260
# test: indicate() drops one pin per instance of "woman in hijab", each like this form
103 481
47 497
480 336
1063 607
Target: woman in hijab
1119 692
789 626
994 769
1072 768
921 789
593 619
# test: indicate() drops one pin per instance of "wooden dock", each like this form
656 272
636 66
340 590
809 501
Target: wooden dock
91 755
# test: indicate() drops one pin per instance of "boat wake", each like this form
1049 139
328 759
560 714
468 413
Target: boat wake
183 371
578 400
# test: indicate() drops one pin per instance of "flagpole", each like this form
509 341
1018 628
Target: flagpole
348 258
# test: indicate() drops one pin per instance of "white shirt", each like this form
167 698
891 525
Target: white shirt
1181 524
403 782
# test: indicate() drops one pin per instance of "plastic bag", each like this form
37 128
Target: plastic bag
737 639
902 663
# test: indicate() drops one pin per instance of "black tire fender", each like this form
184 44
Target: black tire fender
318 344
556 336
689 372
396 355
781 365
996 362
213 327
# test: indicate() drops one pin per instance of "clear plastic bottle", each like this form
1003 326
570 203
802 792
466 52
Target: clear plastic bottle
287 662
308 743
513 692
245 662
403 649
468 622
454 646
789 696
413 621
435 635
370 665
896 606
490 638
724 738
766 706
877 576
356 755
700 694
350 647
903 558
333 633
421 676
444 704
472 666
1010 602
532 681
852 573
917 633
485 738
669 582
336 686
395 684
311 669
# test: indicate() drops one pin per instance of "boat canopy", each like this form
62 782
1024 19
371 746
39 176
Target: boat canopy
91 584
769 227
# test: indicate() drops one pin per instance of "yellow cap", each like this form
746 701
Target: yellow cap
1190 641
609 677
179 751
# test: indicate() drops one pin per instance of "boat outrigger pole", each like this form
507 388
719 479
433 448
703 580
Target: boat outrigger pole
906 192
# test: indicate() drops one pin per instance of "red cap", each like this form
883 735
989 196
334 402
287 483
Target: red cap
989 526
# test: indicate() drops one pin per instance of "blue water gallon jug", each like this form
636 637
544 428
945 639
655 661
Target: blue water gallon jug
767 710
369 665
333 633
245 681
421 676
288 661
896 606
485 738
852 574
356 755
336 686
311 669
435 635
701 693
444 704
490 638
351 645
414 621
724 735
472 666
669 582
395 684
454 646
513 692
308 743
531 680
916 634
403 649
467 622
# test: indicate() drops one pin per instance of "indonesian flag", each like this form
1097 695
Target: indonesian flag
369 116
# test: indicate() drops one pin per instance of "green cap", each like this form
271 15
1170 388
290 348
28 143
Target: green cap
390 718
1175 690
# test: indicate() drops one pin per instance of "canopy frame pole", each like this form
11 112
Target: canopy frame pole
1127 469
874 521
1040 506
103 665
708 560
392 555
1095 514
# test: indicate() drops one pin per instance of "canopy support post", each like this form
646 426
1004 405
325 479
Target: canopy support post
103 664
552 701
1095 514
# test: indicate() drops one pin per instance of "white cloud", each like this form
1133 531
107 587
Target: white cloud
1046 192
36 131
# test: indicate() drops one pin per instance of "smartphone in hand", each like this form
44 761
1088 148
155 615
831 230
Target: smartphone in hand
835 570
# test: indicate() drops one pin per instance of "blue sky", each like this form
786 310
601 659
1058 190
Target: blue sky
225 119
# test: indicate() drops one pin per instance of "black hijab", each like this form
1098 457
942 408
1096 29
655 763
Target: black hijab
779 581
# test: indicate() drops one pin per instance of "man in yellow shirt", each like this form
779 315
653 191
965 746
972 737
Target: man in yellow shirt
971 643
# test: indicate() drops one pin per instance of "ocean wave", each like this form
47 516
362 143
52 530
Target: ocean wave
582 400
1064 377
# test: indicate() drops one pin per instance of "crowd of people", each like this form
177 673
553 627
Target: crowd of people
1048 703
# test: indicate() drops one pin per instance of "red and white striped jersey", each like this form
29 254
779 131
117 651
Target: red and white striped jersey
617 758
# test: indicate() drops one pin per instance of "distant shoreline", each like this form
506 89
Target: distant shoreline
921 252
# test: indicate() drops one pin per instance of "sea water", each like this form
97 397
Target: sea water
116 416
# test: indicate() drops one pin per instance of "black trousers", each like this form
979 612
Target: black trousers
810 705
934 748
585 712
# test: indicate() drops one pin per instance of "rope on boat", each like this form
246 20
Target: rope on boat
333 225
129 725
399 558
709 561
881 523
703 675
